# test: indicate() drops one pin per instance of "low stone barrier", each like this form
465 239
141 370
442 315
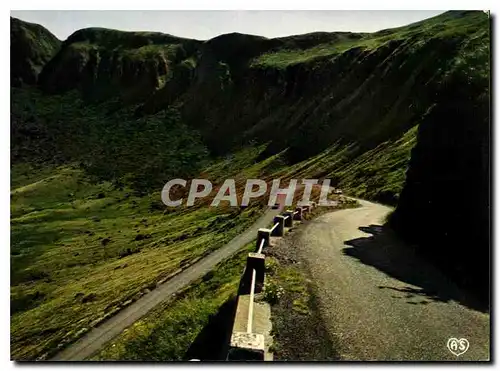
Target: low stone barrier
248 340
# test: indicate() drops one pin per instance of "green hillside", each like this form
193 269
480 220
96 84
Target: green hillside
114 115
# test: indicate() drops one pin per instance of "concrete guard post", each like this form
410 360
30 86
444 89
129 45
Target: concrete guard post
246 347
289 218
263 233
298 214
254 261
280 228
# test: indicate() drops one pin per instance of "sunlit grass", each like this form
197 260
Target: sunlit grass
167 332
80 249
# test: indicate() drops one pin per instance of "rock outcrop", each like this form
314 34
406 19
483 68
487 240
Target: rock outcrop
31 47
446 201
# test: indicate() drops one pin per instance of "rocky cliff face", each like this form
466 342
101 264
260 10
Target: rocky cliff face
32 46
104 64
446 200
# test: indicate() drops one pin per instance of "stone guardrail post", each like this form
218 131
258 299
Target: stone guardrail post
263 233
289 218
255 261
246 347
298 213
279 229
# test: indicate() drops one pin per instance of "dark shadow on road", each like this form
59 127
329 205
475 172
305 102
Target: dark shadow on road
386 252
411 293
212 342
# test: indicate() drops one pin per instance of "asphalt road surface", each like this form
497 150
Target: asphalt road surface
379 301
94 340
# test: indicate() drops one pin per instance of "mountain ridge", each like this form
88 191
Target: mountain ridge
32 46
236 89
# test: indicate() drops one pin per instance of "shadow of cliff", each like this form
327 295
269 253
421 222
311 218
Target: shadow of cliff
385 251
211 344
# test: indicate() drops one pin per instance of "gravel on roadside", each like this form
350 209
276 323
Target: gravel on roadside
298 331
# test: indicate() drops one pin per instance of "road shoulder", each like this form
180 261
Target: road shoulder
298 330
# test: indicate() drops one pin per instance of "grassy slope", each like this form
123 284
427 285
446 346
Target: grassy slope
81 249
89 236
377 174
370 168
168 331
444 25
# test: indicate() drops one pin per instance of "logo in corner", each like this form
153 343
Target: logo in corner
457 346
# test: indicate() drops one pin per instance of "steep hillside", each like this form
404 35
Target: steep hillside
300 95
446 202
109 142
115 115
31 47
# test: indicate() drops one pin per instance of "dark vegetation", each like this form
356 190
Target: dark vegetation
102 120
107 143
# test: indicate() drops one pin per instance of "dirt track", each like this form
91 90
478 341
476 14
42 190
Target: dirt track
379 301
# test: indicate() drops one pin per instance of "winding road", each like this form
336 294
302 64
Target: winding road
378 299
95 339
